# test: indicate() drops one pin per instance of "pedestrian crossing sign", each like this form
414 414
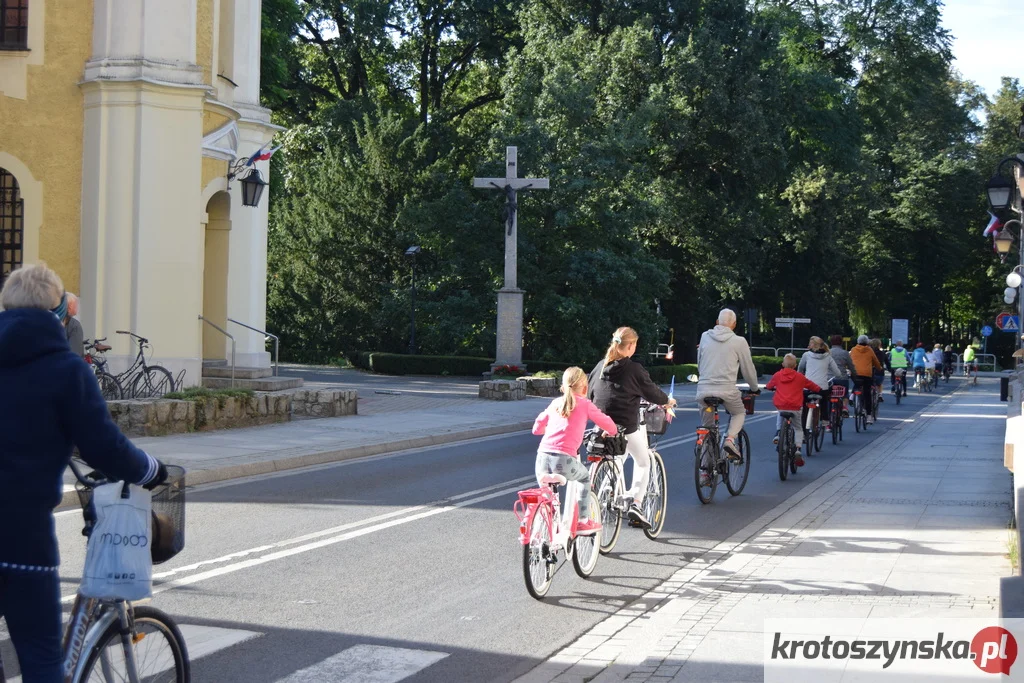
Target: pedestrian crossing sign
1008 322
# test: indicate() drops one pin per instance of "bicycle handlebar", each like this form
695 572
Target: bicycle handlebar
90 480
132 334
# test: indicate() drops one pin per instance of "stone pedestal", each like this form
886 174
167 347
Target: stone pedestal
510 328
540 386
503 390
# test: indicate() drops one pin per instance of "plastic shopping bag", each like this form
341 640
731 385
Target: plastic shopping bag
118 565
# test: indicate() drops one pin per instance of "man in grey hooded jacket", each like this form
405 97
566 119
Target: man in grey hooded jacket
720 357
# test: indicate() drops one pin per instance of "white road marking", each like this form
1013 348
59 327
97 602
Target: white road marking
337 534
367 664
205 640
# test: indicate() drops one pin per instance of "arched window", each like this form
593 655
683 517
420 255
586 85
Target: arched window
14 24
12 224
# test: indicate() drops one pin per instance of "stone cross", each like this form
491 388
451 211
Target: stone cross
510 297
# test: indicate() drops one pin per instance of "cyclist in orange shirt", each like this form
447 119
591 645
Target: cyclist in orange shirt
865 362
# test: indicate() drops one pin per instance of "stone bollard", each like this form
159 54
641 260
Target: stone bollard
502 390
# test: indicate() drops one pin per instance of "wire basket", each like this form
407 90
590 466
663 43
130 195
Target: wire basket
169 516
656 420
748 403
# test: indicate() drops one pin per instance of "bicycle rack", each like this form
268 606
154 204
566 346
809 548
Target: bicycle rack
226 334
265 334
179 382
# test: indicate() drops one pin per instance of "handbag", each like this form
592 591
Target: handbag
118 564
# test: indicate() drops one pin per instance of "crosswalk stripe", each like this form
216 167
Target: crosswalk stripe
367 664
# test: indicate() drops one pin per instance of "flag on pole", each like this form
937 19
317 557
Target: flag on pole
994 225
262 154
671 394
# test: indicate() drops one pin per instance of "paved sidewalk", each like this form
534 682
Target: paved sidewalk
912 526
395 413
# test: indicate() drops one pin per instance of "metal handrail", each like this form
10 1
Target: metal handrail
277 341
226 334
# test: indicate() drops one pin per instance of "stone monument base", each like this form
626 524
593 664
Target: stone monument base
503 390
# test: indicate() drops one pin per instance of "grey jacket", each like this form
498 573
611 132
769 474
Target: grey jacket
843 362
720 357
818 367
76 337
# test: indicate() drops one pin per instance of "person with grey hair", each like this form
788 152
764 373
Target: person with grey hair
50 404
721 356
73 328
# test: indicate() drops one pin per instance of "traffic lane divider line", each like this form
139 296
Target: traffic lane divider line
348 531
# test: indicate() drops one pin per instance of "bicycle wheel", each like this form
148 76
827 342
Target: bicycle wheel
705 462
585 550
153 382
856 412
603 485
783 452
536 568
834 418
736 474
900 390
656 498
110 388
160 652
794 452
819 441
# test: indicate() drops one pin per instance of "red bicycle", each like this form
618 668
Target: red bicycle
548 533
835 417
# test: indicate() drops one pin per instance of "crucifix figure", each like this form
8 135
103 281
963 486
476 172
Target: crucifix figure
510 297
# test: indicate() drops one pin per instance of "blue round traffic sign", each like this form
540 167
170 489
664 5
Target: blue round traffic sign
986 331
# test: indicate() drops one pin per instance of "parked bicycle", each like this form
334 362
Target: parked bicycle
607 480
142 380
835 416
109 386
710 465
547 532
114 640
814 428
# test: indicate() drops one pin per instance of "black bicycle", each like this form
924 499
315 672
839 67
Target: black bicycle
142 379
786 446
110 388
710 465
900 384
835 416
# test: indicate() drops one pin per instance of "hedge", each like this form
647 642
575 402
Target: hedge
663 374
767 365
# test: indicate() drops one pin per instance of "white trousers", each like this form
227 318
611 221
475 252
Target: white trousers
639 449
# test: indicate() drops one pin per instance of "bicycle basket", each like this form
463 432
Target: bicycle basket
169 516
606 445
838 391
656 420
748 403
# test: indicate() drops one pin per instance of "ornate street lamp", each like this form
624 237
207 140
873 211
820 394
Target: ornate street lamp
1003 242
252 182
1000 193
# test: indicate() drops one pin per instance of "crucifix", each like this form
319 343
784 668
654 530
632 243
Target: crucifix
510 297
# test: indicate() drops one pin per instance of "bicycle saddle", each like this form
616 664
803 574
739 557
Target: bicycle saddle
101 347
787 414
552 480
816 397
713 401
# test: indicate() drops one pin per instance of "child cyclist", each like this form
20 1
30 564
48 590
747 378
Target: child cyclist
562 425
789 386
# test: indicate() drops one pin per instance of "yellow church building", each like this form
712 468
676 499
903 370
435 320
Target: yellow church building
119 123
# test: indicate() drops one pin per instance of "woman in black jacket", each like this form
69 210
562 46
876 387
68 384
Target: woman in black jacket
50 403
617 384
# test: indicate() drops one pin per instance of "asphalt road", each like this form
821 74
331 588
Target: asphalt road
417 553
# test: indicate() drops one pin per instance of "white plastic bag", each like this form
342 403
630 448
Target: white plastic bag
118 565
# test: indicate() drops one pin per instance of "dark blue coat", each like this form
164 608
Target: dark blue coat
49 402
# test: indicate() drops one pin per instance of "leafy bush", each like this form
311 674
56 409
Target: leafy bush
193 393
401 364
662 374
767 365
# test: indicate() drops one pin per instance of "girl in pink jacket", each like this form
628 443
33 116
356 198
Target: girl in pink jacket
562 425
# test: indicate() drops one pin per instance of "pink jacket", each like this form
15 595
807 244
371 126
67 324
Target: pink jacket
565 434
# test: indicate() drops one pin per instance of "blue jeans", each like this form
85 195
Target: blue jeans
30 603
572 469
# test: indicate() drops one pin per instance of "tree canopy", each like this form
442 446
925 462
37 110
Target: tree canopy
821 160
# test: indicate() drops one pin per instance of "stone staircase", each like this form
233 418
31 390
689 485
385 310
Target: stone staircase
217 375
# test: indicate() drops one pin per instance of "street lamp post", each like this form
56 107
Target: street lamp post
411 253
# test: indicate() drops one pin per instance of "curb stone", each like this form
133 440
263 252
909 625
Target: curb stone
197 477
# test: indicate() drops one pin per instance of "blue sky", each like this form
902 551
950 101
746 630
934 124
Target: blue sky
987 44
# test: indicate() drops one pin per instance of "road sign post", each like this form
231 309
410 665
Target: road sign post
791 323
